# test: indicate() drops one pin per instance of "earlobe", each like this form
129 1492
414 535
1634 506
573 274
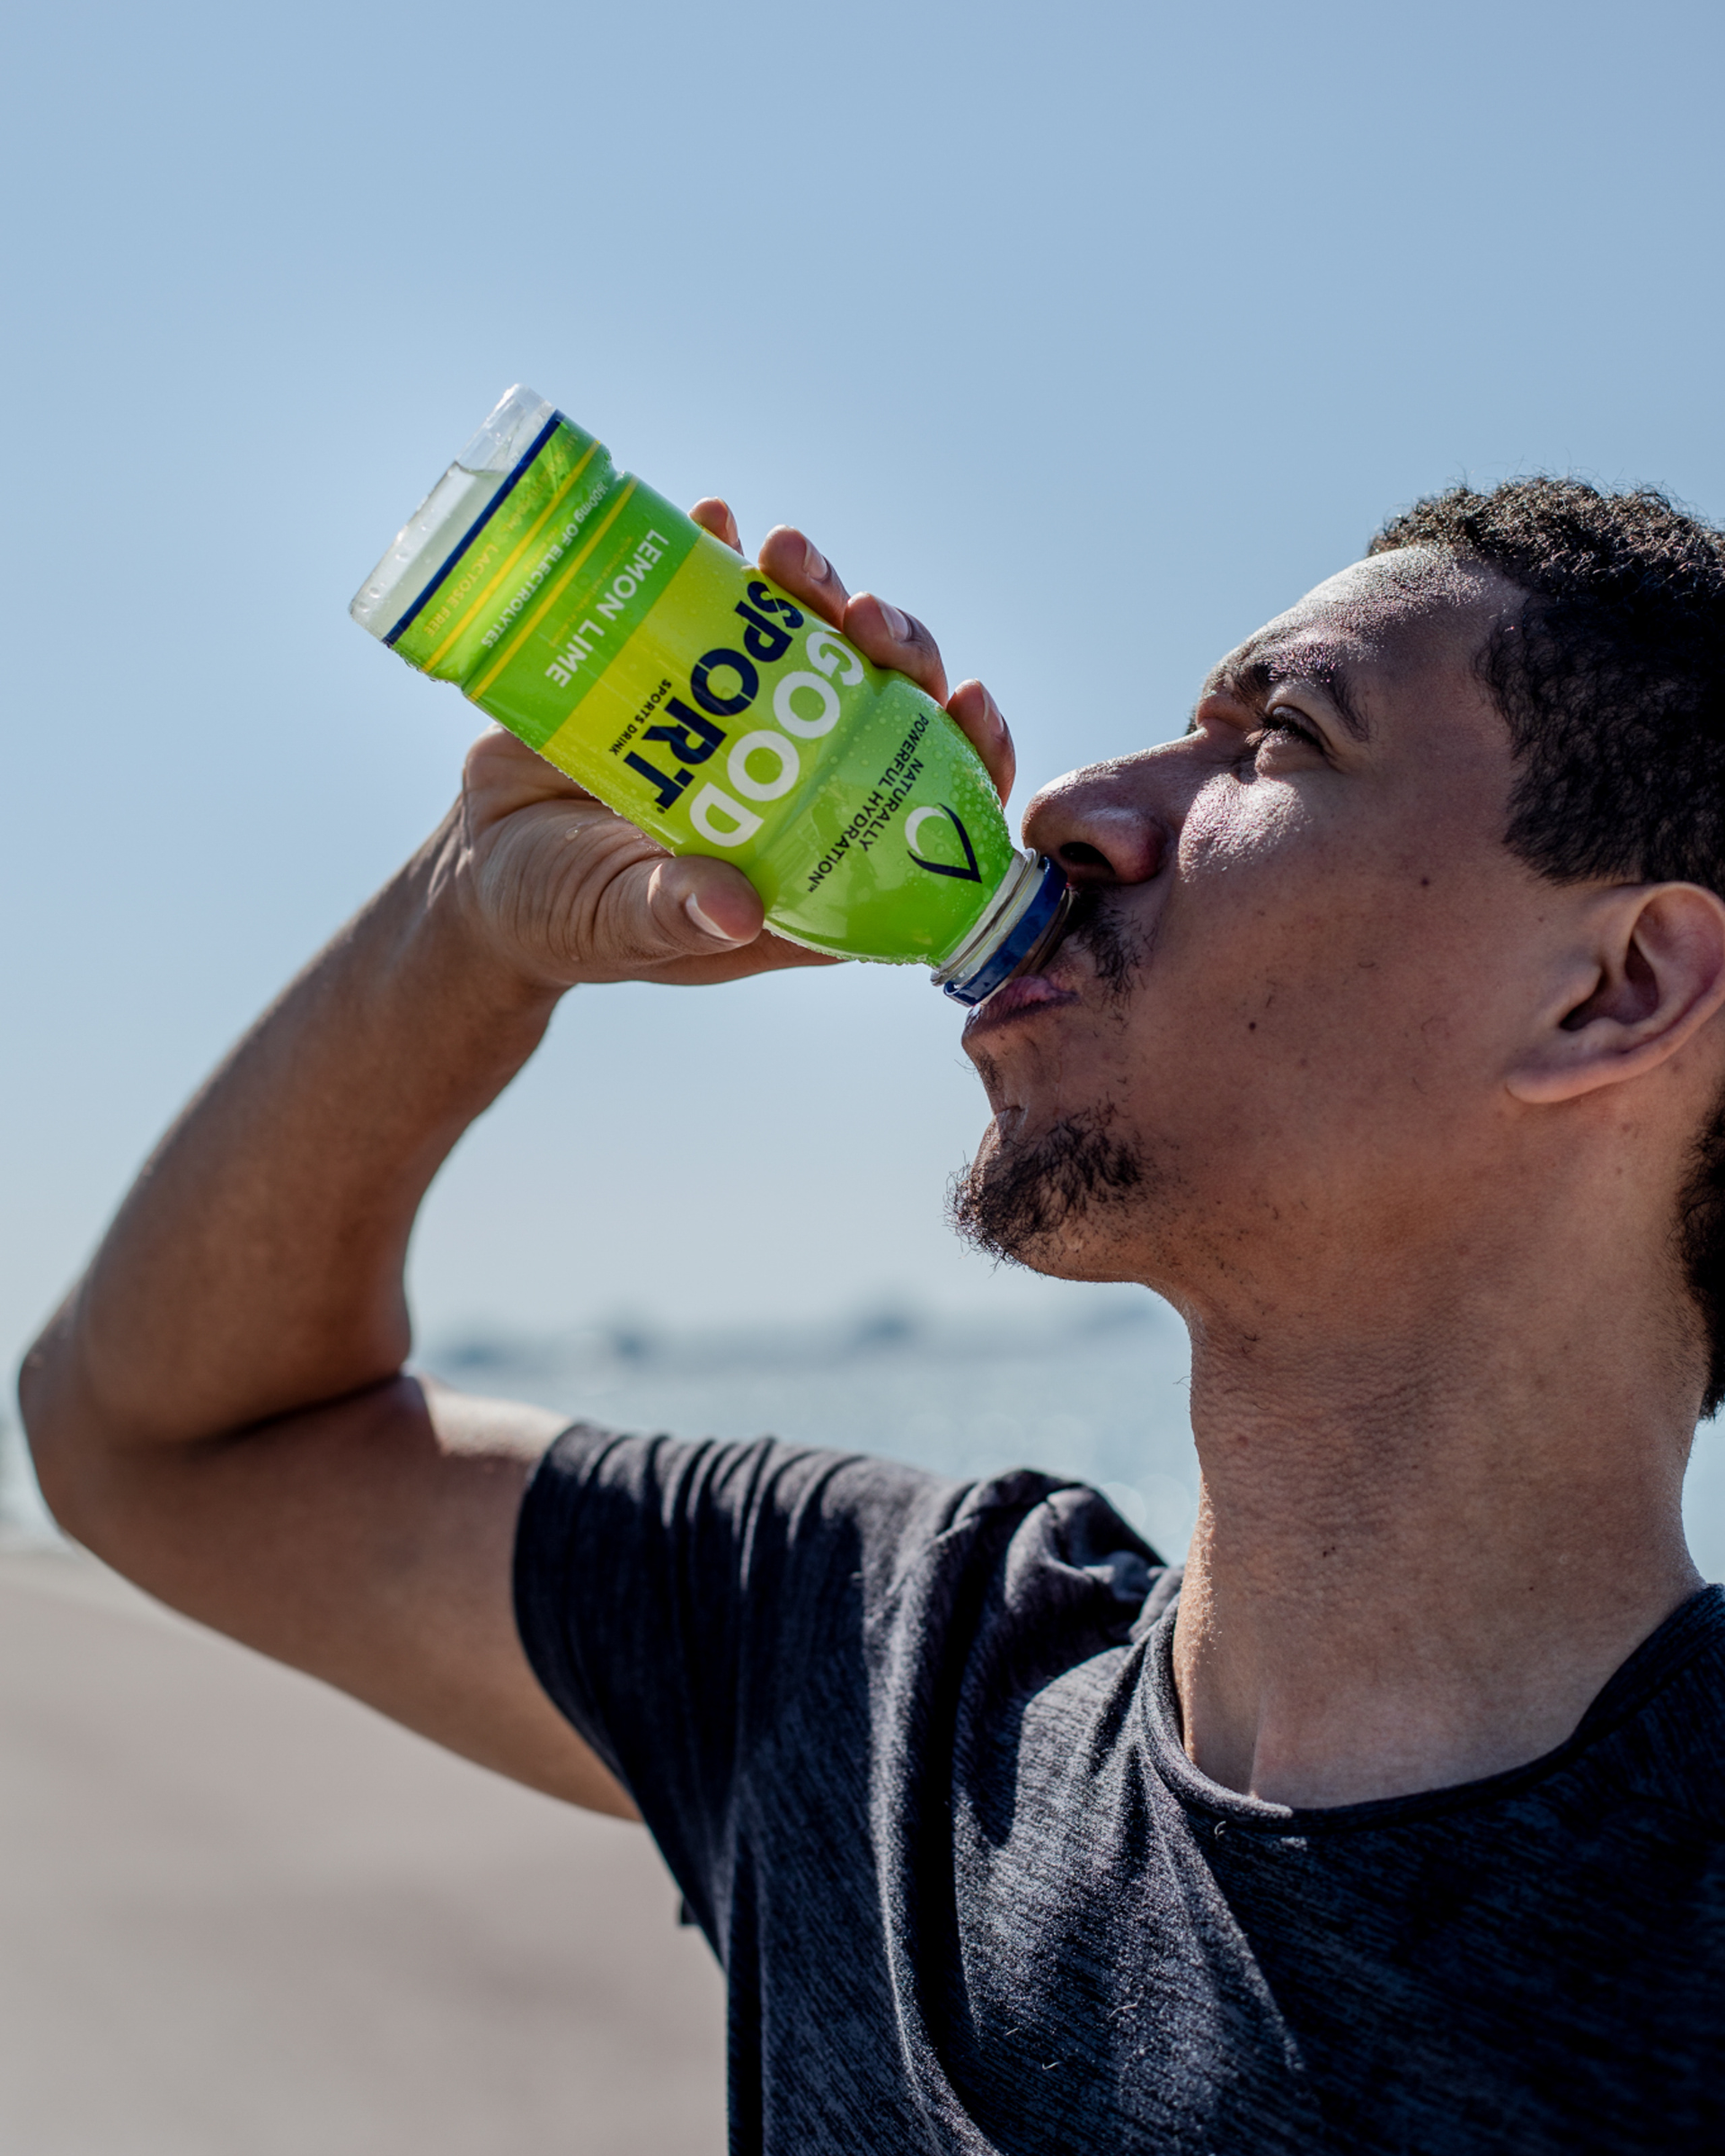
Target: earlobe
1651 976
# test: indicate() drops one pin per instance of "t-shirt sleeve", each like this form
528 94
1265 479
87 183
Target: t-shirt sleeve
702 1613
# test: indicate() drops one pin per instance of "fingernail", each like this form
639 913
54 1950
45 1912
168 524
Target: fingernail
814 562
897 624
706 924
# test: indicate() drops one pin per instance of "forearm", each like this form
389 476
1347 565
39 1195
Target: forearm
256 1267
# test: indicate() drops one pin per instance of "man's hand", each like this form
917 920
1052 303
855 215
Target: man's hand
220 1407
563 891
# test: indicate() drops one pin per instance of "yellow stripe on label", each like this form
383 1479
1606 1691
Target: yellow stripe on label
553 589
698 601
511 565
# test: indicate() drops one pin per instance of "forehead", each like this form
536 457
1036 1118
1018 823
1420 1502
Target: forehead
1411 620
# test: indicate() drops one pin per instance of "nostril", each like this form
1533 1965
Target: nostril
1079 853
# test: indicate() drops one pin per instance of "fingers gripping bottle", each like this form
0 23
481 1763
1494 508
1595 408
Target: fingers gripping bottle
659 670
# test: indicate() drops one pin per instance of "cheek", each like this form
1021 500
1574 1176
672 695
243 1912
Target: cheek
1258 888
1259 829
1304 945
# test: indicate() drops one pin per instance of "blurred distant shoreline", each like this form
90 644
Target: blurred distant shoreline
1096 1391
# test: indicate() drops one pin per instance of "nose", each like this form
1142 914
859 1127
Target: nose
1099 824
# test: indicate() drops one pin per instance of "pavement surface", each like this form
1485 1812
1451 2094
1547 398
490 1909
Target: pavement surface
241 1915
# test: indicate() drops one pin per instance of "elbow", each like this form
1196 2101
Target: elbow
60 1425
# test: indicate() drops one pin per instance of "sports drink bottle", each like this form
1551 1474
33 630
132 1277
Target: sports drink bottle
655 667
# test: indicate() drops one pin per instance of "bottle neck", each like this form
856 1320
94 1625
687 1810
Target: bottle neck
457 509
1018 927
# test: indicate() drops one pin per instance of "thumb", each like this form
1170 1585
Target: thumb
685 907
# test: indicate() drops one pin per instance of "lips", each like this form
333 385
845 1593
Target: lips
1028 991
1093 948
1058 984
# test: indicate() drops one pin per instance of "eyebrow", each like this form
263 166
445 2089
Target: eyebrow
1253 674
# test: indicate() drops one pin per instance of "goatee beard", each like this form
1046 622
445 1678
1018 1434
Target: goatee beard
1017 1203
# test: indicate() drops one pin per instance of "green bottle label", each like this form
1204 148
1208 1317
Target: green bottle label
694 697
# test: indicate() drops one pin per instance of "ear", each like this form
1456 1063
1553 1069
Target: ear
1650 974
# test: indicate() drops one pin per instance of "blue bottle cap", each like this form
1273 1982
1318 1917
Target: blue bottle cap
1033 930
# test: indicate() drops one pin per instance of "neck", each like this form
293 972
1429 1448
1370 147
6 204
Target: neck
1417 1564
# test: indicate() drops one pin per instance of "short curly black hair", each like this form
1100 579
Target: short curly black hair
1611 680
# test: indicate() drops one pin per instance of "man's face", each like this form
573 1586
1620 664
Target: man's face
1302 958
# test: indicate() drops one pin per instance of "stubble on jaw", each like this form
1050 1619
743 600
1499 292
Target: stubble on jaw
1018 1203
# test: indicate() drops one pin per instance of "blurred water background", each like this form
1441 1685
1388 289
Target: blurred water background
1094 1386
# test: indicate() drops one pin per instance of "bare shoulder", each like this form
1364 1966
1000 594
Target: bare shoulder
368 1541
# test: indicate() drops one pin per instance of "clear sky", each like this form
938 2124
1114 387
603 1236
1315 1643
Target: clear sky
1094 334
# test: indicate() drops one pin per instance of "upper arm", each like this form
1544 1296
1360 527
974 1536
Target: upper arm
369 1542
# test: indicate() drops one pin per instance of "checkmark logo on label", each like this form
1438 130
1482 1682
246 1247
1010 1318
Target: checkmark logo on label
914 822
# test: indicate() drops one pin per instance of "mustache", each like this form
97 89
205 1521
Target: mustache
1118 950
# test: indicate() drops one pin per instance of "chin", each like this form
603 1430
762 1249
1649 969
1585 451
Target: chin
1064 1201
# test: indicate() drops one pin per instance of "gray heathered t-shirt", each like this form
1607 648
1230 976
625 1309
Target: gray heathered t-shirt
911 1749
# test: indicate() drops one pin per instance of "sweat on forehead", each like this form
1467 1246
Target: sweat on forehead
1389 587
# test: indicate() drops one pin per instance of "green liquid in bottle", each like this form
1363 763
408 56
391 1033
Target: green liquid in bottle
649 662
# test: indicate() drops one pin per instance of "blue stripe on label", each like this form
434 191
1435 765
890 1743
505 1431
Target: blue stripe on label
478 525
